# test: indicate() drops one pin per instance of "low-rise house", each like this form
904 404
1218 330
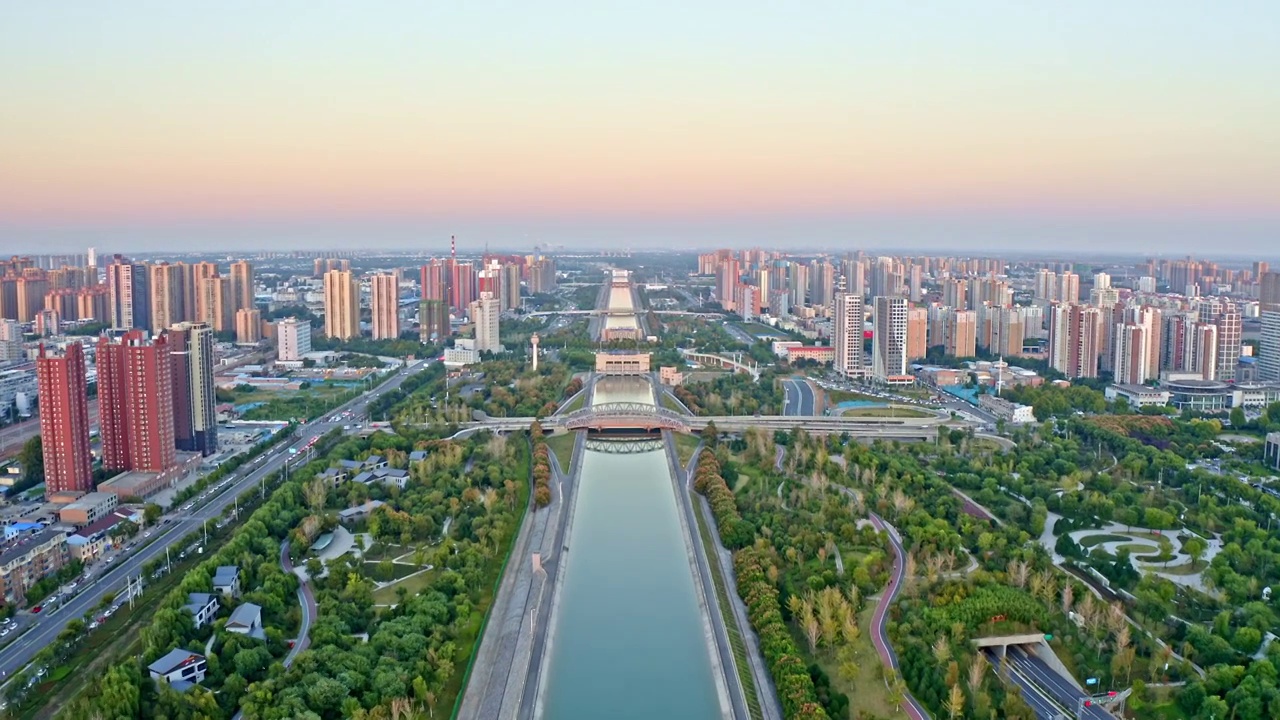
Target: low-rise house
226 580
246 620
180 668
359 512
385 476
418 455
334 476
202 606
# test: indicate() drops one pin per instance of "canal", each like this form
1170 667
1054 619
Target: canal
620 299
628 636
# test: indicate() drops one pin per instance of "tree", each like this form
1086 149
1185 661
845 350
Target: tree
32 459
151 513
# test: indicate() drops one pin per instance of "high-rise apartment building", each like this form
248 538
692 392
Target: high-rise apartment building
384 306
242 285
341 305
248 326
962 334
433 320
484 313
1269 290
889 338
462 284
129 288
434 281
62 390
1225 315
168 296
135 403
954 293
1131 353
195 426
510 286
728 276
1269 346
215 302
847 330
917 333
293 339
822 283
1068 288
1075 339
798 283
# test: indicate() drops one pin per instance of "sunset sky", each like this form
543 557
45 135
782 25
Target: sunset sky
1136 126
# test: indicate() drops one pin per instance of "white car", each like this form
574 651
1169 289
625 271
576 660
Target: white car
146 534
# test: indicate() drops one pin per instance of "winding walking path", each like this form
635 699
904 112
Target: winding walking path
307 599
880 638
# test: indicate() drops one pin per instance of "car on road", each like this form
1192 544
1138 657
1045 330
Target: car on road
37 608
146 534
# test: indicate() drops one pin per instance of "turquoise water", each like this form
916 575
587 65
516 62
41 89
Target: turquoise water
628 641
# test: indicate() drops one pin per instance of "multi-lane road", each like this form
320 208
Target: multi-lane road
47 626
799 398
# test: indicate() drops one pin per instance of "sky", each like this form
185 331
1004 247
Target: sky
965 125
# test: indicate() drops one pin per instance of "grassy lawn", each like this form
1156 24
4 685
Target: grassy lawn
1137 549
576 404
562 447
1162 540
866 692
896 412
1183 569
730 621
398 571
685 445
1089 541
413 585
670 403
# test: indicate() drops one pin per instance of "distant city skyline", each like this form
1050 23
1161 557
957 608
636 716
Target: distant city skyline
993 126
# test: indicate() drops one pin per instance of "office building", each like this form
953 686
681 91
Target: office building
384 306
241 285
293 339
248 326
341 305
64 420
195 427
848 325
484 313
889 338
135 403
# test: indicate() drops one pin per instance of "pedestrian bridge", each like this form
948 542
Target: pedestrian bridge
624 416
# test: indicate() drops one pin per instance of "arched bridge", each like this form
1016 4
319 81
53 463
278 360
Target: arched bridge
624 416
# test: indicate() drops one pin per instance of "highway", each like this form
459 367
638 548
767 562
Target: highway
799 399
1051 683
47 626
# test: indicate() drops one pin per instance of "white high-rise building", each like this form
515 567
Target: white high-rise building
889 338
484 313
848 322
1269 347
293 339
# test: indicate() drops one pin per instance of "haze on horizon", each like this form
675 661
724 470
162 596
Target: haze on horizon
1087 126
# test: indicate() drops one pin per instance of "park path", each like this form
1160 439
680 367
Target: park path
880 619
